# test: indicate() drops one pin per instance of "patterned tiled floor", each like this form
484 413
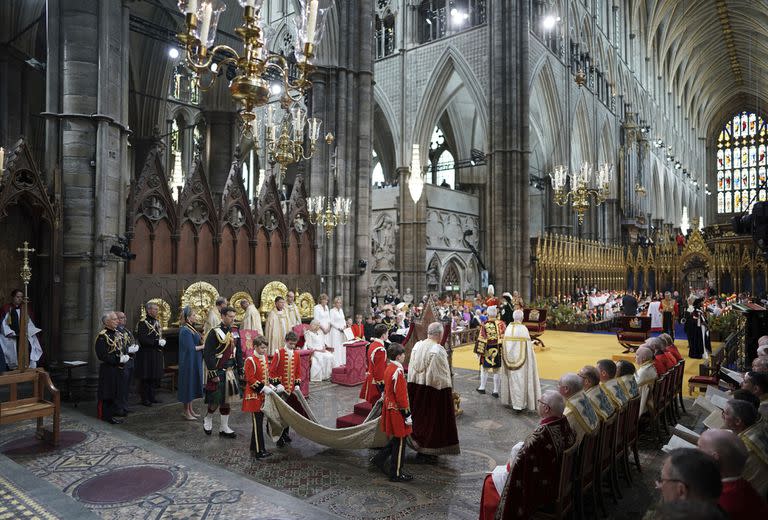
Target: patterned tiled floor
15 503
215 477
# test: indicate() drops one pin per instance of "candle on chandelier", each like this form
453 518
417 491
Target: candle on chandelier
205 22
2 159
191 7
311 21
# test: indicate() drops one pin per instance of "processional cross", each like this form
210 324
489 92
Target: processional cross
26 276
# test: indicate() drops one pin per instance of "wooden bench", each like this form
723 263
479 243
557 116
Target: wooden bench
17 409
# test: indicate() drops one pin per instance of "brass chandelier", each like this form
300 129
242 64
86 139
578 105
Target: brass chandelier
580 191
259 74
328 215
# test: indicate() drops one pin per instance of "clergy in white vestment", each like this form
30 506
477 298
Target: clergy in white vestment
251 318
336 337
520 385
654 311
214 316
277 326
322 359
11 320
294 316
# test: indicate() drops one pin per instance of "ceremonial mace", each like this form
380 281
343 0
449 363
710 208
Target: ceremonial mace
26 276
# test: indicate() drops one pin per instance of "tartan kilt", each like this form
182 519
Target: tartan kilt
226 391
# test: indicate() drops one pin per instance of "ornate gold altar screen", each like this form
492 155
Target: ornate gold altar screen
565 262
715 258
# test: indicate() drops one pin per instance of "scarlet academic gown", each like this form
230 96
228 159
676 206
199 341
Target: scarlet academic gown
286 370
256 377
396 405
376 363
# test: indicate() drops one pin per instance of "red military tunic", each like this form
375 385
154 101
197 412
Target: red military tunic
286 367
256 377
396 405
376 363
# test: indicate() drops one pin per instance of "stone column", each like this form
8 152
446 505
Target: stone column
412 233
507 236
86 110
343 99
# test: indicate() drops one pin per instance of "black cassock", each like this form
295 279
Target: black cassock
150 362
110 371
697 331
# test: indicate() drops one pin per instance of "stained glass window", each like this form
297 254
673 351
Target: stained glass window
741 163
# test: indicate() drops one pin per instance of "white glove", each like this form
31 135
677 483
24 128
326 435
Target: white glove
409 420
133 349
124 358
297 386
280 388
267 390
161 342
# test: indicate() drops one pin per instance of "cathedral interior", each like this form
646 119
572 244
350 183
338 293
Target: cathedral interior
393 147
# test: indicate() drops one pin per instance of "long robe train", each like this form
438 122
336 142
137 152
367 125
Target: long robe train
434 429
280 414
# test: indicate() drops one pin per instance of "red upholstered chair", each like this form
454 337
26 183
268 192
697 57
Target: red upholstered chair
353 372
633 331
535 320
711 379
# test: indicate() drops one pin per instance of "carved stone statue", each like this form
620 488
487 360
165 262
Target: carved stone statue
408 297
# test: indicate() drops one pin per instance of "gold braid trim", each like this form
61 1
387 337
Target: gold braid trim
515 364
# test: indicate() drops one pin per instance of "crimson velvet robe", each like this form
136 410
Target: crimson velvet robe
534 477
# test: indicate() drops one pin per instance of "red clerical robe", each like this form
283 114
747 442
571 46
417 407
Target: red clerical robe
663 362
376 363
675 353
740 500
534 476
256 377
396 406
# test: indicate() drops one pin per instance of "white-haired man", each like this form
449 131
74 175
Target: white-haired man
579 412
487 348
520 385
430 393
645 375
531 475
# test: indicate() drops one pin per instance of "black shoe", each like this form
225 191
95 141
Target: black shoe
120 414
207 432
280 443
377 462
495 394
404 477
115 421
146 403
287 438
230 435
128 410
262 454
479 391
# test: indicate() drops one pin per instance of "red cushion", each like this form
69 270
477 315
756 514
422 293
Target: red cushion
703 380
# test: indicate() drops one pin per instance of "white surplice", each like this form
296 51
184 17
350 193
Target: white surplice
8 341
336 337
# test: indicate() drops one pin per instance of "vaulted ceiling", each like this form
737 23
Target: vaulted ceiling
712 54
